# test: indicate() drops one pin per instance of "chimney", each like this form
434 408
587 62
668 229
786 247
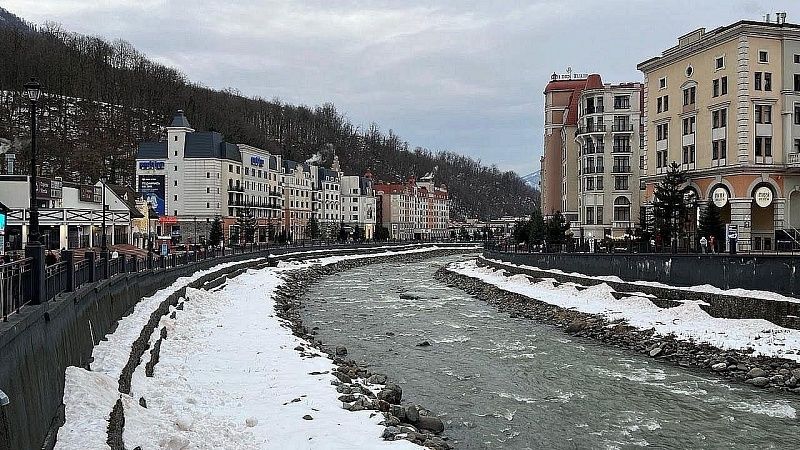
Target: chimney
766 18
780 17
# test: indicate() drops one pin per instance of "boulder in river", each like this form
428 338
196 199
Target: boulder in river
412 413
719 367
759 381
431 423
341 350
424 344
756 372
392 393
575 326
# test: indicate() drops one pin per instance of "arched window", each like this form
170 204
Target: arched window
622 209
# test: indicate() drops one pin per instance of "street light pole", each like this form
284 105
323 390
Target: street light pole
33 88
104 245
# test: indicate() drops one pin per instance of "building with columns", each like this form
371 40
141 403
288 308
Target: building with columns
725 105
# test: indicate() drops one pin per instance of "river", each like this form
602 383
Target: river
501 382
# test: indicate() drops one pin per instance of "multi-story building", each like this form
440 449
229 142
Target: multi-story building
327 196
608 149
298 187
559 193
725 105
414 211
359 207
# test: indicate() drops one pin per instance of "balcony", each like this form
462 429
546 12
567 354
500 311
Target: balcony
597 128
594 109
235 189
621 169
622 224
621 149
588 170
622 128
793 159
622 105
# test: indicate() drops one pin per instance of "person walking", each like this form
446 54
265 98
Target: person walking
713 244
704 244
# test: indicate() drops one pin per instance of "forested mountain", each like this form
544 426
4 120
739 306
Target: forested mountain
103 98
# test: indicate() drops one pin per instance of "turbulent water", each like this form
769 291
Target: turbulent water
500 382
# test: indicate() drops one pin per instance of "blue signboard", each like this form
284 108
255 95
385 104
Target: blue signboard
2 222
151 165
152 189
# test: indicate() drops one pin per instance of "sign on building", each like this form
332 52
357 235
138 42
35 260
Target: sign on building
152 188
720 197
763 196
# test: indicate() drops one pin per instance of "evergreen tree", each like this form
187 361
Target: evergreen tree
536 229
382 233
556 228
670 210
711 223
247 225
521 231
312 228
358 234
463 234
215 235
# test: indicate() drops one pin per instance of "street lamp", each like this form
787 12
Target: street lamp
34 90
104 245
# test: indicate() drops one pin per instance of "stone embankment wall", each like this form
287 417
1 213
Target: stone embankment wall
770 273
39 343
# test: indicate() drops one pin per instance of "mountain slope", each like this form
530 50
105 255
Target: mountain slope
105 97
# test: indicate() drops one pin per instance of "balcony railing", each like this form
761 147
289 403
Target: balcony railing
601 128
621 169
793 159
626 127
236 188
594 109
621 149
622 106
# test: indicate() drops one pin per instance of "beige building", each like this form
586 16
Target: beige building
725 105
608 146
413 210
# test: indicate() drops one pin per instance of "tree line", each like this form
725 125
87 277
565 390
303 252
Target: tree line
103 98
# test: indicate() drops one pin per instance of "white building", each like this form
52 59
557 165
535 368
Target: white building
359 207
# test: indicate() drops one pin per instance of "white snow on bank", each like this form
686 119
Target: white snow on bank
687 321
226 377
737 292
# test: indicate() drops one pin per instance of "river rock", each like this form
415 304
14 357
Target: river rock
390 432
412 413
344 378
397 411
307 417
431 423
341 350
391 421
377 379
575 326
655 352
347 398
424 344
756 372
719 367
437 443
759 381
392 393
250 422
410 296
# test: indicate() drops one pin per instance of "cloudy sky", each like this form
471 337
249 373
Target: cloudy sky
461 75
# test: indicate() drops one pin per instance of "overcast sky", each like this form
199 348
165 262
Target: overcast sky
453 75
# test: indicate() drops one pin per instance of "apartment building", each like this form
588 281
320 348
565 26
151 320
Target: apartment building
608 147
414 210
560 154
359 206
725 105
298 186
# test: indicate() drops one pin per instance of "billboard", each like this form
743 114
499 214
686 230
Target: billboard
152 189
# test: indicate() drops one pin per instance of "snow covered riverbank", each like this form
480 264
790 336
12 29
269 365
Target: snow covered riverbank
686 321
227 376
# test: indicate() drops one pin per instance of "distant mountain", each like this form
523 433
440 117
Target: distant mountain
533 179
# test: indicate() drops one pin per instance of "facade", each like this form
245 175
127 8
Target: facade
559 157
608 146
359 206
297 202
327 199
70 215
725 105
414 210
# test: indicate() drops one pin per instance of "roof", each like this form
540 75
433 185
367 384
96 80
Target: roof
290 166
210 144
128 196
564 85
4 208
152 150
180 120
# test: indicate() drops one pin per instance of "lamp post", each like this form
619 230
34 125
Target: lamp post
104 243
33 89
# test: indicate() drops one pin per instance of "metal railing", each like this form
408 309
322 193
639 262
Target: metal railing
15 286
55 279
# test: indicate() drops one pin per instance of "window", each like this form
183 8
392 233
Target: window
767 81
599 215
797 113
176 168
176 152
176 138
208 174
763 146
763 56
589 215
757 81
689 125
715 88
719 63
208 205
724 85
599 182
763 114
662 82
590 184
719 149
230 168
622 164
622 209
176 182
621 183
797 82
688 154
176 198
797 59
622 101
208 190
689 96
662 103
797 145
662 131
622 144
661 158
719 118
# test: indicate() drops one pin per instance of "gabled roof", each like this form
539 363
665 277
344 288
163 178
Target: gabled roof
128 196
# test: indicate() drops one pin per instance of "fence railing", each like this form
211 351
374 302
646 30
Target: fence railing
15 286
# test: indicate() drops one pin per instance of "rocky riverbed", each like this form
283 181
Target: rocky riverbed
362 389
762 372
